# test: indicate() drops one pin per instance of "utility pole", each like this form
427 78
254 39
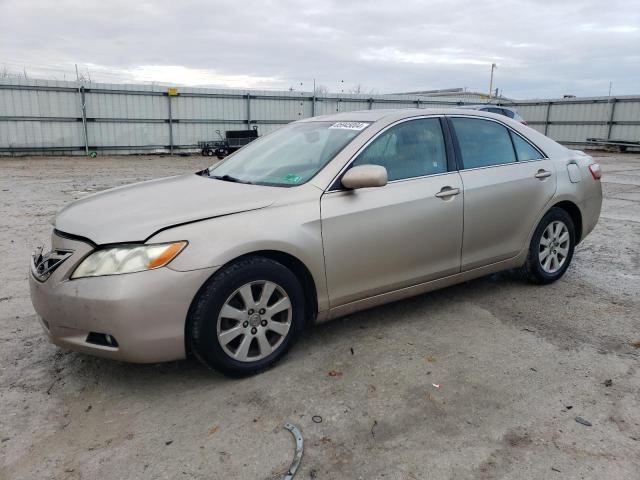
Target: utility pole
493 67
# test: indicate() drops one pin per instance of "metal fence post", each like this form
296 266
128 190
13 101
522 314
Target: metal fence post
248 110
313 104
546 121
613 109
83 108
170 125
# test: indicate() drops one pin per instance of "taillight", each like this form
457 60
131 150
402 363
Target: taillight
595 170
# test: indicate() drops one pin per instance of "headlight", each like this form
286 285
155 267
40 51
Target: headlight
128 259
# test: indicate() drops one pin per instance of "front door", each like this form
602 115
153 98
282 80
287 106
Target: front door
410 231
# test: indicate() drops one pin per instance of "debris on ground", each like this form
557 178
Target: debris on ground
297 458
316 419
569 407
556 469
636 344
334 373
437 385
352 353
168 442
582 421
530 330
430 359
51 386
213 429
608 382
375 424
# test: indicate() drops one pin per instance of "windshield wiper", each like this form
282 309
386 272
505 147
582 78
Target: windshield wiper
229 178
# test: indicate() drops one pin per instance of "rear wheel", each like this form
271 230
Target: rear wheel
551 248
247 316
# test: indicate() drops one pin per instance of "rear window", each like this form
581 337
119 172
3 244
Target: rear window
483 143
499 111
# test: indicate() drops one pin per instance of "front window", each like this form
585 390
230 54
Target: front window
289 156
410 149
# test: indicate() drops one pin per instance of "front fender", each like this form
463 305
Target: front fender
294 229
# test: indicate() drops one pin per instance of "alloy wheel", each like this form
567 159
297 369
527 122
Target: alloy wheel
554 246
254 321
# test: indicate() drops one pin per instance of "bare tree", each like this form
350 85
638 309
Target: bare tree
6 73
321 90
360 89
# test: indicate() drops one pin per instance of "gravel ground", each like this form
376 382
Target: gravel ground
516 364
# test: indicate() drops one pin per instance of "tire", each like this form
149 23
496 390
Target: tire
210 153
540 267
245 323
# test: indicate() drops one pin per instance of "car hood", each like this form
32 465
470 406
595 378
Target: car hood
133 213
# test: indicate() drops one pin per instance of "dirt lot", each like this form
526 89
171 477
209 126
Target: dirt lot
516 364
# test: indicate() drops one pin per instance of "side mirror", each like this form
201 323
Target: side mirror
365 176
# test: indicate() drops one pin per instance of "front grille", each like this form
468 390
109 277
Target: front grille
45 264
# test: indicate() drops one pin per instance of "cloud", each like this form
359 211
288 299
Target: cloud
394 55
180 75
542 47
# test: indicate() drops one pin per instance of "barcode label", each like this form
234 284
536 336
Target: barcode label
350 125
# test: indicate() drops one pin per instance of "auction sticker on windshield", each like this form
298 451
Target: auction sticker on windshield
349 125
292 178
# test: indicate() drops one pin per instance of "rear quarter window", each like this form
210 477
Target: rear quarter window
524 150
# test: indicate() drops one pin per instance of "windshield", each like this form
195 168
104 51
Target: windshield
289 156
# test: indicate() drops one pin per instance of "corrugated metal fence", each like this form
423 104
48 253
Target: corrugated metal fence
62 117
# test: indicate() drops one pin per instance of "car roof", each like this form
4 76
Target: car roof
395 113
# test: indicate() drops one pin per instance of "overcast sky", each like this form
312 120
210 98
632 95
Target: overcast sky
543 48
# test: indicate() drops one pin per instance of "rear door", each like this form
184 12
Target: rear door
410 231
507 184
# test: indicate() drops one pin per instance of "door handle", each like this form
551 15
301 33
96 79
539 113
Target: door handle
447 192
543 174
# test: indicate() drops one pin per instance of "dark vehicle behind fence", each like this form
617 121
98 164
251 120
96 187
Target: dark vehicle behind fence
234 140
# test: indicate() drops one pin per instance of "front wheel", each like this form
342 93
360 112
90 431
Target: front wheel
247 317
551 248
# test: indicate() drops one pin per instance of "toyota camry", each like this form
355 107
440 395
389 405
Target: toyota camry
321 218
